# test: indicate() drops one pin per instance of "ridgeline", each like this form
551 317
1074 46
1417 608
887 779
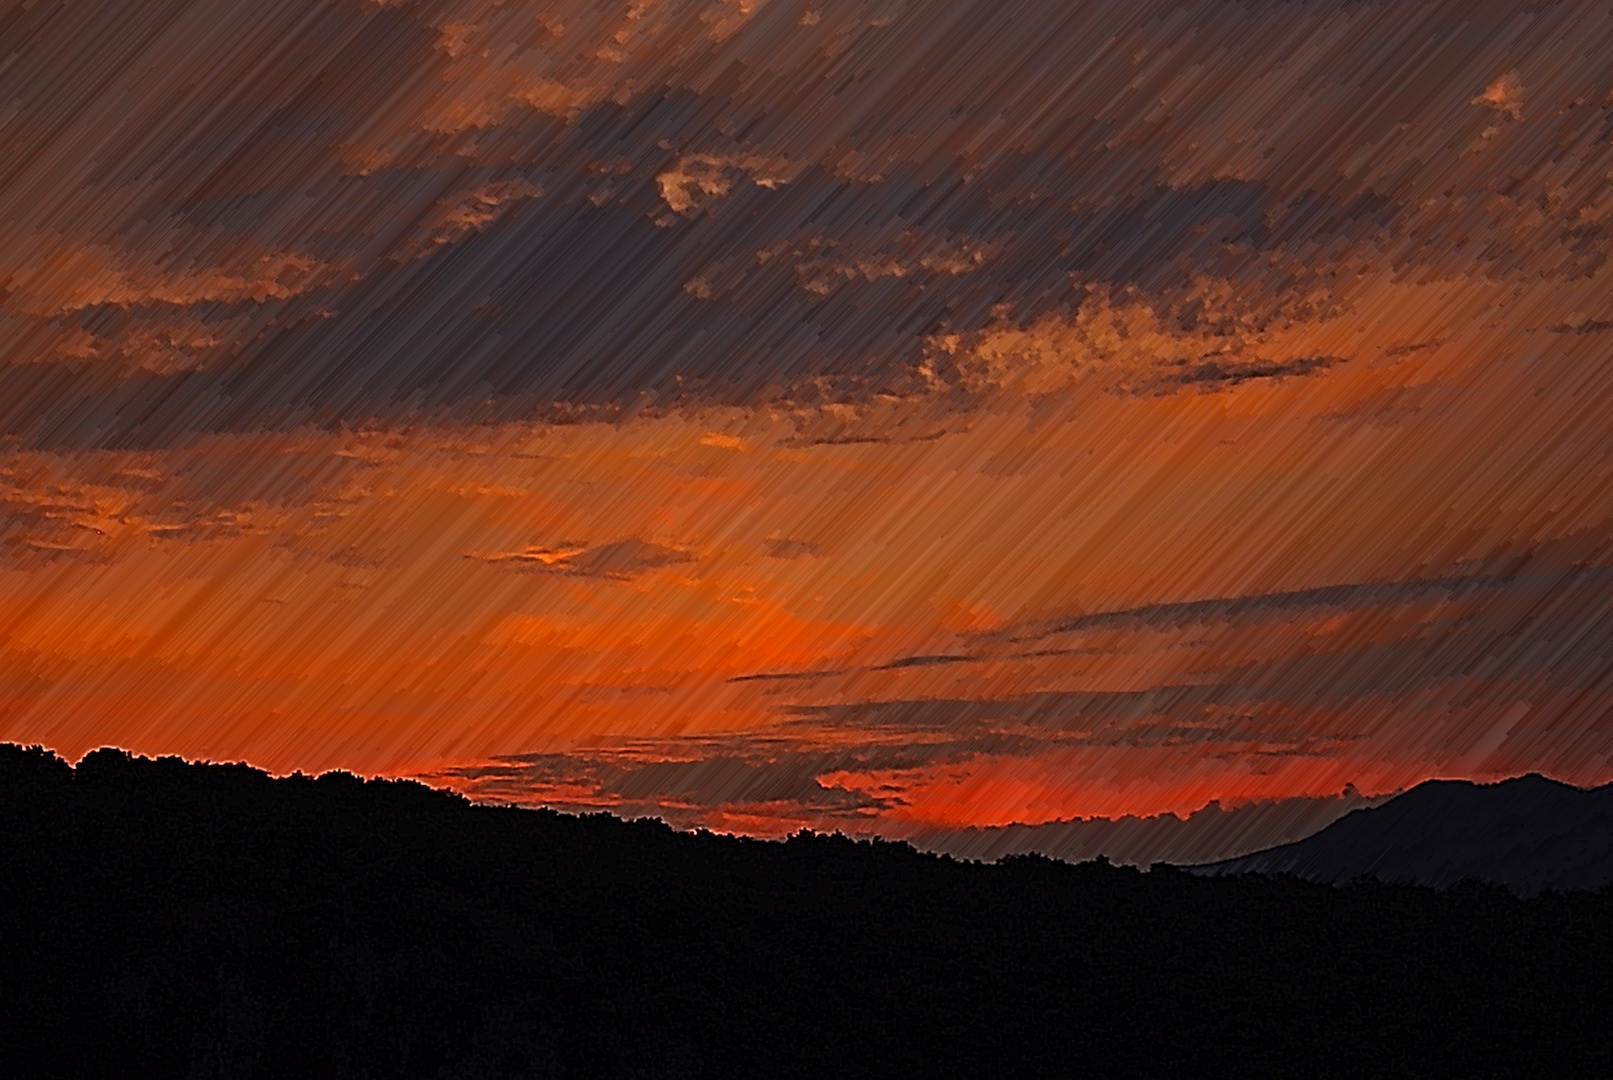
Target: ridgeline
182 920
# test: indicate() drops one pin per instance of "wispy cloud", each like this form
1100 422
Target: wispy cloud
618 559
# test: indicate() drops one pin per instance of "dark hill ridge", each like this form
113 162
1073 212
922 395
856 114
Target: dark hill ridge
1211 834
160 918
1528 834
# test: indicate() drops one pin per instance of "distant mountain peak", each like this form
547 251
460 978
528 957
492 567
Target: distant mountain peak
1528 833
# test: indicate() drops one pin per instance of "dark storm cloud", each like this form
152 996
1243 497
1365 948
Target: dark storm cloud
348 211
1479 643
555 300
1236 612
1264 605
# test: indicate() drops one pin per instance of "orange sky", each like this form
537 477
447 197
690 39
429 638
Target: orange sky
857 415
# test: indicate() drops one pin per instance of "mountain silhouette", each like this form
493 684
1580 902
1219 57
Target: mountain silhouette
165 918
1212 833
1528 834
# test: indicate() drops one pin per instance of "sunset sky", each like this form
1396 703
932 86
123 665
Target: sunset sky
872 415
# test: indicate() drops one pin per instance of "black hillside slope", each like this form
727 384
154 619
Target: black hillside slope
177 920
1528 834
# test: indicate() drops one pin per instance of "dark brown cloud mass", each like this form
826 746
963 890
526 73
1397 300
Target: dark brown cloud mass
347 209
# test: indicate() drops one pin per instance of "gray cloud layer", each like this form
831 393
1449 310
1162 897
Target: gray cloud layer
734 203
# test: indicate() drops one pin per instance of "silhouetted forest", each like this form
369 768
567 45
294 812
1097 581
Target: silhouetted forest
165 918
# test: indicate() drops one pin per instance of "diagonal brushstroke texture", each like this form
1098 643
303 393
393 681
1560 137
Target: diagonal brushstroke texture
897 416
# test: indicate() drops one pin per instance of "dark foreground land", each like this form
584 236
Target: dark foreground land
183 920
